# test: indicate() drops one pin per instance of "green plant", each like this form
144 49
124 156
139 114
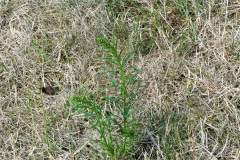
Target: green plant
117 130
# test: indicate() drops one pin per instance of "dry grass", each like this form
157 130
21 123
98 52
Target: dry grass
191 105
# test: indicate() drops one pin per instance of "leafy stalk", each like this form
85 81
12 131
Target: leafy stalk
116 146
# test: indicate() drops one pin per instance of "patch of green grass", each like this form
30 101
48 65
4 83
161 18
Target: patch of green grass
172 20
167 132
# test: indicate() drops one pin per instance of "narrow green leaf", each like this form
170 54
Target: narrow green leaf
103 50
135 89
126 113
132 98
127 58
109 70
132 67
106 59
130 80
78 102
119 125
112 99
119 108
135 110
114 83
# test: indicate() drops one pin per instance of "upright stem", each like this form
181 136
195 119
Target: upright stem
123 91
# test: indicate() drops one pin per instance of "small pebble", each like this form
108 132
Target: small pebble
48 90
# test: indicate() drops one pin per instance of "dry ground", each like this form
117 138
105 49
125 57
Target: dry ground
191 103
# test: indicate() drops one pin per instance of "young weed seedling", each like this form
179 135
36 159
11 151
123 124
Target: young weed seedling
117 131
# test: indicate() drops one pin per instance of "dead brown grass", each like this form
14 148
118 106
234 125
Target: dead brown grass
191 102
